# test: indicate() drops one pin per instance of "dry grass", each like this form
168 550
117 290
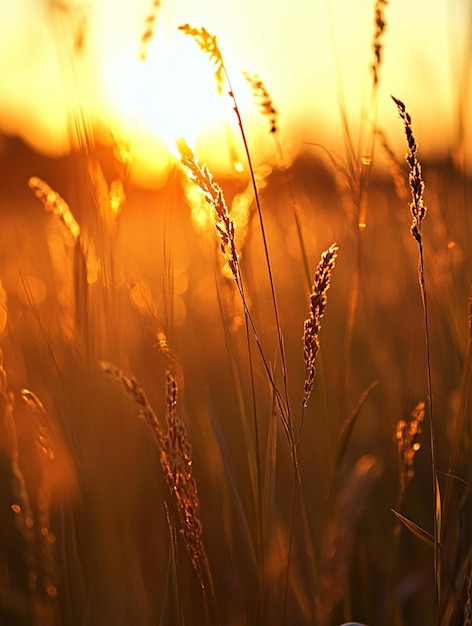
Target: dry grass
312 326
231 507
418 212
408 441
214 196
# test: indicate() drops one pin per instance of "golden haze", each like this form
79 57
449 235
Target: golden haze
61 55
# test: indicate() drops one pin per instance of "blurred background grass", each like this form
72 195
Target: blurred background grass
112 560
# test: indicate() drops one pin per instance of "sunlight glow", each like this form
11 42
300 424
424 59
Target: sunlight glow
310 57
162 96
170 94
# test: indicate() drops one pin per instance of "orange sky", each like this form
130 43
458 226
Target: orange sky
296 47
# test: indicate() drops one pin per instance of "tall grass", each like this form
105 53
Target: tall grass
418 212
254 489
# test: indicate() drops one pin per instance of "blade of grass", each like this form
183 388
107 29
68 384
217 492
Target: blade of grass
347 427
415 529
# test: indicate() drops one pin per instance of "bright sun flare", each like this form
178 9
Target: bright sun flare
170 94
310 56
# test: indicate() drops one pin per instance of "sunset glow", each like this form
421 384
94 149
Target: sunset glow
136 72
235 312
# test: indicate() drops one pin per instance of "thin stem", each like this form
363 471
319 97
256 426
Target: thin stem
296 212
296 489
436 529
260 522
418 212
265 244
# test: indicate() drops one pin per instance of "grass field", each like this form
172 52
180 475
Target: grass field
303 453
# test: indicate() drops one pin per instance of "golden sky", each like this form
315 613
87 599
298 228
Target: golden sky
309 53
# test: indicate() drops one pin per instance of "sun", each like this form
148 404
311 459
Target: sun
169 94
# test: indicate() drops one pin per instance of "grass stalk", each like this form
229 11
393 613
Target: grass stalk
176 462
253 447
359 167
226 234
418 211
209 45
268 109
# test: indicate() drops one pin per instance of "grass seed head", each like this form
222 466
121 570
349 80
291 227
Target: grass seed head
175 458
209 45
149 28
264 100
417 207
377 46
408 443
135 391
312 325
54 203
213 193
176 461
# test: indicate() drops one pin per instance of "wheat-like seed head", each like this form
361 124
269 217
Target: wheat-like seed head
380 24
417 207
175 458
209 45
312 325
213 193
149 29
54 203
264 99
407 443
135 391
176 461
